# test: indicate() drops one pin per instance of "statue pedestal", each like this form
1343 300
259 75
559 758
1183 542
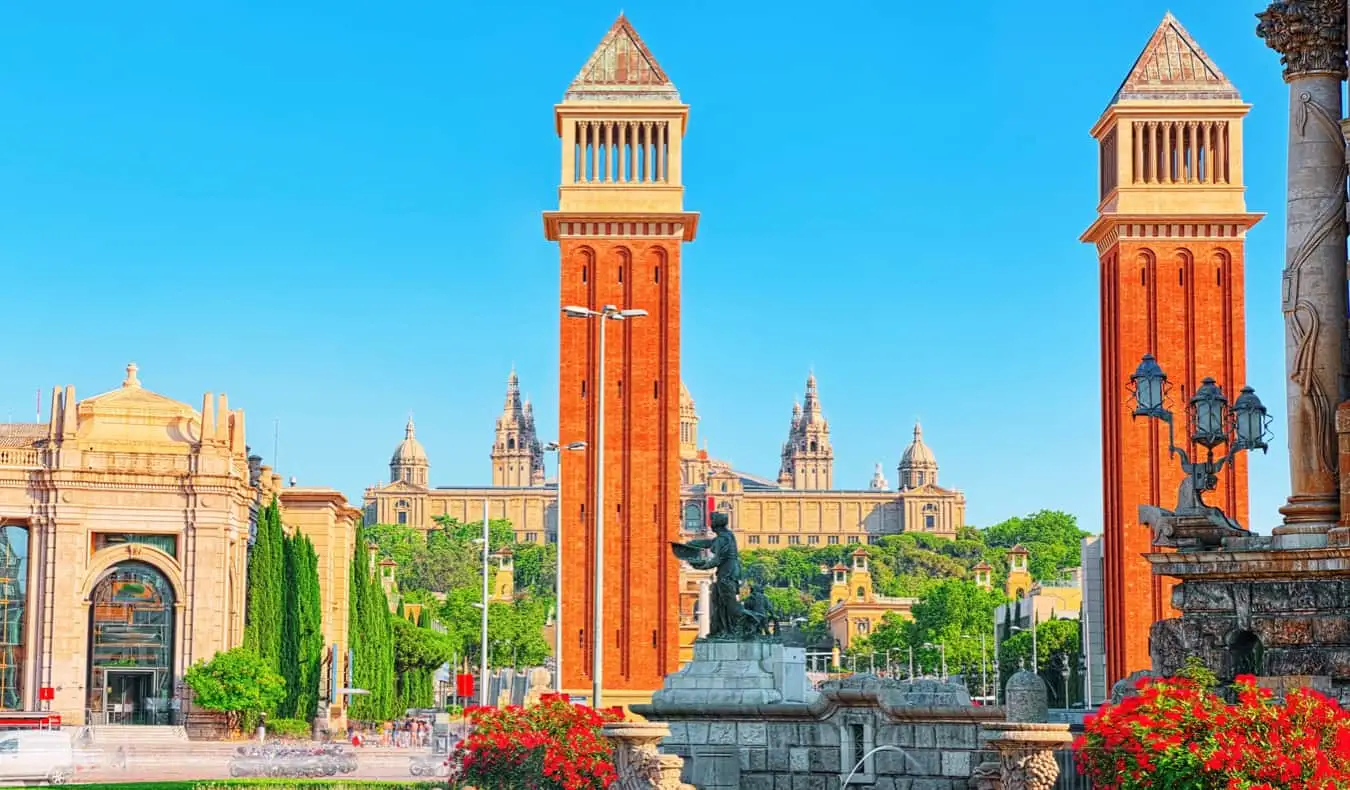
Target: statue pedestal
738 673
1026 755
638 762
1258 607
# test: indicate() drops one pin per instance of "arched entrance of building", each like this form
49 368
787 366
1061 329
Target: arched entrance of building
131 636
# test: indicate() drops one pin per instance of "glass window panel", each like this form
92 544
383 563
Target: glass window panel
131 642
13 614
165 543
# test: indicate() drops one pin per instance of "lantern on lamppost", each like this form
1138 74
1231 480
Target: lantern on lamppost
1212 422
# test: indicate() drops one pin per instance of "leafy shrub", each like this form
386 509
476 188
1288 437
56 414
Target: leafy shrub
289 728
554 745
1179 734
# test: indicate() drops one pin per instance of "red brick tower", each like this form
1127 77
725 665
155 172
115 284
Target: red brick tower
1169 236
620 224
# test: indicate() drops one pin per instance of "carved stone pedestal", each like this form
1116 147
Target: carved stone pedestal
1254 607
738 673
1026 755
639 764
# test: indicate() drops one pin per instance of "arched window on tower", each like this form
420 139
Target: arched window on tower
813 445
511 443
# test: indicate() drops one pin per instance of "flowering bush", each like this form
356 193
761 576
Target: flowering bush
554 745
1176 734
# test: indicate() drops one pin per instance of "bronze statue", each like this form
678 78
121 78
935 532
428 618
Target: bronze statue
729 619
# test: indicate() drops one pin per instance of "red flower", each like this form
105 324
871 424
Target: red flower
552 746
1174 733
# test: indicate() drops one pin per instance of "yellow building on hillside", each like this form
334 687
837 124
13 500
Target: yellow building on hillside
855 607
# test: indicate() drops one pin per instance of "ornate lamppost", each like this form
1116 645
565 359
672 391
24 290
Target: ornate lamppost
1212 422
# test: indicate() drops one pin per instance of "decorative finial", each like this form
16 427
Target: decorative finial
131 380
408 431
918 431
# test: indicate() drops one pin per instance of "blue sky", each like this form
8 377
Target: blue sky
331 212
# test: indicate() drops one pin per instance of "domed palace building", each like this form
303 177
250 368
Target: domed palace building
125 525
802 507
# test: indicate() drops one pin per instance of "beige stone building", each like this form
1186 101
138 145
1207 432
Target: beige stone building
800 508
125 522
518 492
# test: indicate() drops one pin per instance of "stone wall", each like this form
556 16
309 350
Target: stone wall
928 732
1273 626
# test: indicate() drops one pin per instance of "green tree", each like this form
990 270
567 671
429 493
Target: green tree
398 542
263 612
372 642
418 653
238 683
302 629
500 532
1052 537
536 568
950 620
1052 636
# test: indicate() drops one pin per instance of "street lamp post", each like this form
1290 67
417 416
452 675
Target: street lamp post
984 670
607 313
483 643
942 650
556 448
1212 421
890 668
1035 655
911 662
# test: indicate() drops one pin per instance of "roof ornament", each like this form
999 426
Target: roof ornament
131 382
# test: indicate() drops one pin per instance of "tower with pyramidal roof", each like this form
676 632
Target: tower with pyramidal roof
620 226
1170 228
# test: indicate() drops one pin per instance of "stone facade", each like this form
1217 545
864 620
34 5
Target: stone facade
133 511
928 732
1170 238
765 513
125 522
1259 610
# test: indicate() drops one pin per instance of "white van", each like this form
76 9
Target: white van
36 755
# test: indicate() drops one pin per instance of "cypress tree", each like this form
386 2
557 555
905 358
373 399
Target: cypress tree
362 708
309 623
263 615
290 626
373 643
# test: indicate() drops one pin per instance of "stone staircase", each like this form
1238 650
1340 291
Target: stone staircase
110 736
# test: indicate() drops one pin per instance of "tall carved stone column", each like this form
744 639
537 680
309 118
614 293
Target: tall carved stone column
1310 37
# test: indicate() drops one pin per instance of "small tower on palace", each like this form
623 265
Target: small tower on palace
1170 238
1019 572
389 579
838 583
504 580
918 466
688 424
984 575
515 461
409 463
808 458
536 446
879 481
860 578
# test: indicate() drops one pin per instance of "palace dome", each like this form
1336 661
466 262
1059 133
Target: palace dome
409 452
918 453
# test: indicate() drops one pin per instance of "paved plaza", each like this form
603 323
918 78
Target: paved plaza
210 760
